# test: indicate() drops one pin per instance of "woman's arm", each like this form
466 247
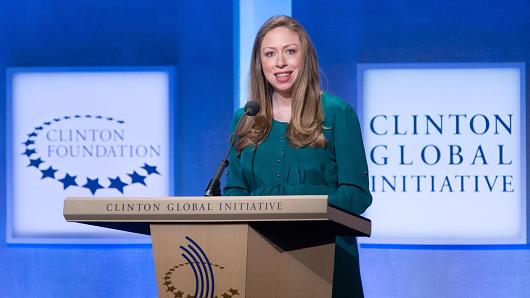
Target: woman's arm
353 192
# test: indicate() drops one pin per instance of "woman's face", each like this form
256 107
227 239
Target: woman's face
281 58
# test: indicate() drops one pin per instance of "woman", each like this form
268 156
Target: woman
303 141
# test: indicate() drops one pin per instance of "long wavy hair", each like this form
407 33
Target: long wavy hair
305 127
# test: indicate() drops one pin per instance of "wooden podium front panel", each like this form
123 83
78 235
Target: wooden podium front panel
280 246
298 269
191 259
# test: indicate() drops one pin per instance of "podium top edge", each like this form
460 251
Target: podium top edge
306 197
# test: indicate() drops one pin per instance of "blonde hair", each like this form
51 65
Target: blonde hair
305 127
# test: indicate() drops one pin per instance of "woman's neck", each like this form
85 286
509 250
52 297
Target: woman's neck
281 107
281 100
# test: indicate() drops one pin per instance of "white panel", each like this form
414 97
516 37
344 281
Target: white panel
463 185
108 129
252 14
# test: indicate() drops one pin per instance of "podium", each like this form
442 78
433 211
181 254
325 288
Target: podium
271 246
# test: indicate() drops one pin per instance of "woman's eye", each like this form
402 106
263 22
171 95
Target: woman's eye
291 51
269 54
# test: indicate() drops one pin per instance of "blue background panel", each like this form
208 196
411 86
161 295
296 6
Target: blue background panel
349 32
195 37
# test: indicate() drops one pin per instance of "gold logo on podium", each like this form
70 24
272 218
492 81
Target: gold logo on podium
203 271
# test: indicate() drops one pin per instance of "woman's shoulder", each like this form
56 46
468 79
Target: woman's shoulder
339 114
238 114
333 104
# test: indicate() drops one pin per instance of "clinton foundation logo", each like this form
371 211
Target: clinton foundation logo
195 263
90 152
84 132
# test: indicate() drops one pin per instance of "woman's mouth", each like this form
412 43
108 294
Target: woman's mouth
283 77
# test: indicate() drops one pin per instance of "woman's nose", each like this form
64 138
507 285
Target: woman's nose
281 62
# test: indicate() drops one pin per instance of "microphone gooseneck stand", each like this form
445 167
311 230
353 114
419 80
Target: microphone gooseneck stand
214 186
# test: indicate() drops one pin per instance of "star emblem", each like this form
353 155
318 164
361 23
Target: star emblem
88 116
150 169
170 289
225 295
67 117
167 283
28 152
137 178
117 184
93 185
29 142
49 172
38 128
35 162
233 291
179 294
99 117
120 121
68 181
33 134
47 123
109 118
77 116
56 119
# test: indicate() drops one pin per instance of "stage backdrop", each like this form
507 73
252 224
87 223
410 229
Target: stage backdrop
196 37
347 33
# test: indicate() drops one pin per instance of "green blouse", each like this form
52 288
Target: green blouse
339 170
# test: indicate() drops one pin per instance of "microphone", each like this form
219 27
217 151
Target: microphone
214 186
251 108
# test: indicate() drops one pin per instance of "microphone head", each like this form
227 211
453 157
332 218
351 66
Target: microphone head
251 108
